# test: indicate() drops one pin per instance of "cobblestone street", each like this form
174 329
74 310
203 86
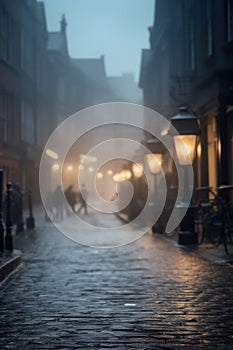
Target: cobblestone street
150 294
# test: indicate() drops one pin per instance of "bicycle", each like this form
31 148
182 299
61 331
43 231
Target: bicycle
221 220
214 217
205 201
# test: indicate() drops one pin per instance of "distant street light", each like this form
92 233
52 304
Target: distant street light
126 174
122 175
90 169
137 169
70 168
100 175
55 167
50 153
154 162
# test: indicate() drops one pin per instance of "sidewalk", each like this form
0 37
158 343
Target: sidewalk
206 250
10 262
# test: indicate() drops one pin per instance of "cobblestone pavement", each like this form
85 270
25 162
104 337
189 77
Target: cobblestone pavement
147 295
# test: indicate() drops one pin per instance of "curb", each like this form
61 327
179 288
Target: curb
9 264
212 254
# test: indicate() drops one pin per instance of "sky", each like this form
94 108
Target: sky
117 29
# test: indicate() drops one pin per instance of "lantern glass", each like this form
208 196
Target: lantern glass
185 146
154 161
137 169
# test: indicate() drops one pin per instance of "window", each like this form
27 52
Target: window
29 3
4 35
212 151
27 53
192 44
61 89
27 123
229 20
4 113
9 39
209 27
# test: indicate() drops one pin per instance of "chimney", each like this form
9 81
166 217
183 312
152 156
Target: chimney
63 24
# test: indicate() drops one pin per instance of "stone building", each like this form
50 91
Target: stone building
10 89
190 61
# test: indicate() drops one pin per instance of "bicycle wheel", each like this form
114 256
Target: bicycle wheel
199 224
215 227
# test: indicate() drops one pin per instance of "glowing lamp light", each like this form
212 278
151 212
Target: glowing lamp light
126 174
186 142
55 167
70 168
185 146
100 175
50 153
199 150
137 169
116 177
154 162
110 172
122 176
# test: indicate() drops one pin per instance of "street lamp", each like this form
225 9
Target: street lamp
154 161
126 174
185 146
155 157
137 170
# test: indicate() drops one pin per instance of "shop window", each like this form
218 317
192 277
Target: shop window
212 151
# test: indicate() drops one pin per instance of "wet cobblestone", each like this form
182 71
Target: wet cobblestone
146 295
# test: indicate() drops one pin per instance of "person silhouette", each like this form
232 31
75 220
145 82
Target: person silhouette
58 203
82 199
71 197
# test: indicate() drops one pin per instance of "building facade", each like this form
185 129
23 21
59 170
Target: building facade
190 61
40 86
10 87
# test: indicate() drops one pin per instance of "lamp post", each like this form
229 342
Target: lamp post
154 161
137 202
185 146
